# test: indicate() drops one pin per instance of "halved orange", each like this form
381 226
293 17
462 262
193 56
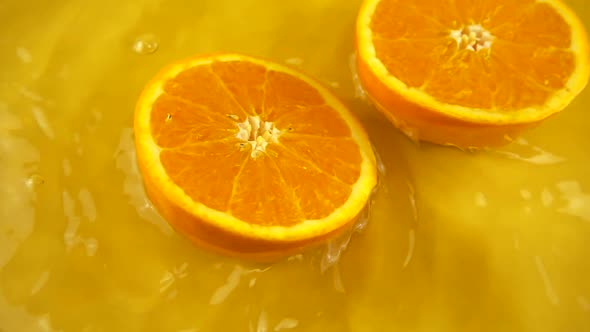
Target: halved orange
249 157
470 73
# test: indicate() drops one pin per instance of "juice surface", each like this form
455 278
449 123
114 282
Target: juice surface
454 241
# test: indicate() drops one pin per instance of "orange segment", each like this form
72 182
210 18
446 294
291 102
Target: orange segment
311 120
470 73
249 157
177 122
207 182
250 89
313 149
189 86
322 193
262 197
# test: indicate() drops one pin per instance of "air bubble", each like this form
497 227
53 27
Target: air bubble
146 44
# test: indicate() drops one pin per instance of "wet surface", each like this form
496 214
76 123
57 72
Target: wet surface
454 241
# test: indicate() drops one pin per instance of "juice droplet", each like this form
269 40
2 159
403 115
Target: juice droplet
295 61
146 44
34 181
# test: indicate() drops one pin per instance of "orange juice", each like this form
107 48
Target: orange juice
453 241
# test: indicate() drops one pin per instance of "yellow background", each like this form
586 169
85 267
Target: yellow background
492 241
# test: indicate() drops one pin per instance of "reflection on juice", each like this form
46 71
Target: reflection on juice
455 241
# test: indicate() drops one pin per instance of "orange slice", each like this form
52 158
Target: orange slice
470 73
248 157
